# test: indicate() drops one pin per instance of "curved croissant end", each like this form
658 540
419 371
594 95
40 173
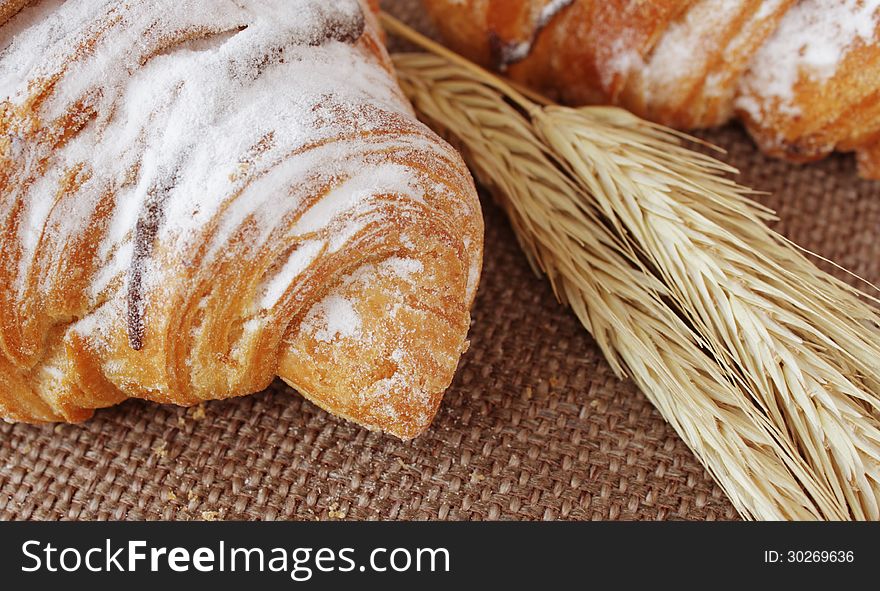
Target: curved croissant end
198 197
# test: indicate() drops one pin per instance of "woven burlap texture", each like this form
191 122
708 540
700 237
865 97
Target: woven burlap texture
535 426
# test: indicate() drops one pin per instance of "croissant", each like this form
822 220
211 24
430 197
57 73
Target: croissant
197 197
804 76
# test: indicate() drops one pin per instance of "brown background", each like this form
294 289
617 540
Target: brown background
535 426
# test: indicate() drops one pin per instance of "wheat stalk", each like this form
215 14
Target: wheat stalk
768 368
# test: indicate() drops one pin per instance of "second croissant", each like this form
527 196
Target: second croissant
804 76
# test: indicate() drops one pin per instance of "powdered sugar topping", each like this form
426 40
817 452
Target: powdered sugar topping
331 318
811 40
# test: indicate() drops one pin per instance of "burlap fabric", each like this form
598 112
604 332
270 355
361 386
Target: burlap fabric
535 426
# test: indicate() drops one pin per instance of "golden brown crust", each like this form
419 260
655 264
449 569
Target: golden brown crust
9 8
316 230
695 63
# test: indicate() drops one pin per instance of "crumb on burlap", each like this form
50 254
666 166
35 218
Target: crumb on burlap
332 512
198 412
160 449
210 515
